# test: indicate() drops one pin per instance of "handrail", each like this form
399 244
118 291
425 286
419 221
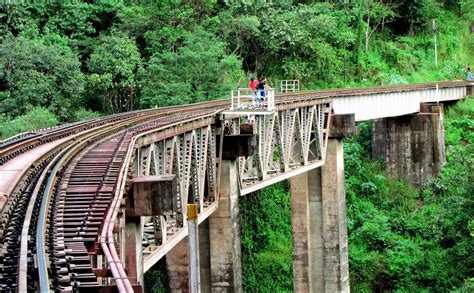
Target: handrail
255 100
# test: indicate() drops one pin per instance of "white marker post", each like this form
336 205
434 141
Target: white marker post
194 279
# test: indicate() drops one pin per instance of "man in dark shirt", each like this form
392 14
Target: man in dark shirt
261 90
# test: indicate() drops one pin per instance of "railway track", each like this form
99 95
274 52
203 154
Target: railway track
70 268
58 222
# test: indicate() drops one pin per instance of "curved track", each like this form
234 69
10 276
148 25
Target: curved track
24 208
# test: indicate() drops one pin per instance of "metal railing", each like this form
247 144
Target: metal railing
244 99
287 86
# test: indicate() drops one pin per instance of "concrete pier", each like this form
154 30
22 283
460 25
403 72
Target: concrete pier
177 261
205 256
412 146
224 232
134 253
320 255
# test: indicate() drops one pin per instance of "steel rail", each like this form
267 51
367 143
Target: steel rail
24 143
23 258
113 260
27 139
375 89
63 159
41 227
47 195
106 239
11 148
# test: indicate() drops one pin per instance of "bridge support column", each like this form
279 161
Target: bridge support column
205 256
318 206
320 257
224 231
412 146
177 262
133 245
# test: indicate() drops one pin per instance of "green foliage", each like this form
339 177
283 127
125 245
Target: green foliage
35 73
68 61
114 65
156 279
35 118
266 240
197 71
143 54
83 114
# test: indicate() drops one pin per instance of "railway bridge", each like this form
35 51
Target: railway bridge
94 205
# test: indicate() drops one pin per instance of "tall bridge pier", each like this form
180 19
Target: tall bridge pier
318 205
299 140
219 236
320 250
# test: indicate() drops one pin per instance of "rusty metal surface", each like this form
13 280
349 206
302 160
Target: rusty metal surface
151 195
76 243
342 126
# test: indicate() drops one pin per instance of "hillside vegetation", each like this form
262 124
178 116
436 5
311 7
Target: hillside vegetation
76 60
64 61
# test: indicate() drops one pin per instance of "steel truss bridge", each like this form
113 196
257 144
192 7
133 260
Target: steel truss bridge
65 192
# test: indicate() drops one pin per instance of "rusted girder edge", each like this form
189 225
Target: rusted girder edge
293 102
344 92
302 101
283 176
172 130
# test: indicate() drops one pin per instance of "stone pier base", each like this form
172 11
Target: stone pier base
219 243
412 146
133 245
177 262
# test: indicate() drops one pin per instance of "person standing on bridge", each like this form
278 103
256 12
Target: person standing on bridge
469 72
262 88
253 87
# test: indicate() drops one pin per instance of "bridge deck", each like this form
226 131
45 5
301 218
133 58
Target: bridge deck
13 170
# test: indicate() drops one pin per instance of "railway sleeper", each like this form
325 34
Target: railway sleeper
96 201
79 235
75 239
74 223
88 197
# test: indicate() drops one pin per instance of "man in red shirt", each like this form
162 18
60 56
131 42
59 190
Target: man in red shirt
253 87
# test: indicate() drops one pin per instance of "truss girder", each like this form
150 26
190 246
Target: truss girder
286 140
191 156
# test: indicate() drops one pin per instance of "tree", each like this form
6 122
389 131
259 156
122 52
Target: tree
114 65
197 71
376 13
40 74
36 118
307 43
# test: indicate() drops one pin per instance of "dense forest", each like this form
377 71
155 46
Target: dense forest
64 61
